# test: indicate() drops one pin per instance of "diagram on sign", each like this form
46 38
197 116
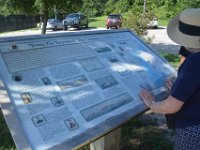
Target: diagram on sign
57 101
71 83
91 64
106 82
106 106
39 120
26 97
71 124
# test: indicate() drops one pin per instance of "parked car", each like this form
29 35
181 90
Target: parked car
53 24
153 23
75 20
114 21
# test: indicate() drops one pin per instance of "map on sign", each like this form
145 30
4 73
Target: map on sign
60 91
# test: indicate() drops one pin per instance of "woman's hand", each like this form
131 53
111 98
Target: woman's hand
169 83
146 97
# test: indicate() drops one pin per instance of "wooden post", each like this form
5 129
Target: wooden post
111 141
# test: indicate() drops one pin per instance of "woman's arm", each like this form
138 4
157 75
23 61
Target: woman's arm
168 106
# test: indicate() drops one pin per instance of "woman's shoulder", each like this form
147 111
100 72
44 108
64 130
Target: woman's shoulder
194 58
192 63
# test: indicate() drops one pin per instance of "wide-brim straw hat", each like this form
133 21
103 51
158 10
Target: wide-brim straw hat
184 29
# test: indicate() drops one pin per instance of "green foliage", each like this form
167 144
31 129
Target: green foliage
137 21
170 57
163 22
93 8
173 59
44 7
161 8
8 7
118 6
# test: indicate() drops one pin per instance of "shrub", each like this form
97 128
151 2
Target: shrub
137 21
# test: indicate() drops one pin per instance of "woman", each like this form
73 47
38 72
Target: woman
184 100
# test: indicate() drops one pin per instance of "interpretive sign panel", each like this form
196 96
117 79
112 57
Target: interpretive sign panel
64 90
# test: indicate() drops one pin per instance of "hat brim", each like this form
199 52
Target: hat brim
180 38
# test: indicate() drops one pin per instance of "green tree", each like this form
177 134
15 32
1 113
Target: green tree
8 7
93 7
44 7
47 6
182 4
118 6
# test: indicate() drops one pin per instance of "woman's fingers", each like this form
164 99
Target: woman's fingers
146 96
168 84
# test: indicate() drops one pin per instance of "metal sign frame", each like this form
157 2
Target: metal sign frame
89 135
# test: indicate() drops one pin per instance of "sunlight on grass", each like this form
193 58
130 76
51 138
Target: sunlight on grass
163 22
98 22
173 59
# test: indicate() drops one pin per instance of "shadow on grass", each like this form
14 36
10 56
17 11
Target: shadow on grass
138 134
89 28
6 142
159 27
93 20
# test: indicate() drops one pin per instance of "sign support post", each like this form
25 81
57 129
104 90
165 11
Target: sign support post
108 142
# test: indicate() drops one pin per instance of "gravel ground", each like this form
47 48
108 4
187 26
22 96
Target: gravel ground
161 41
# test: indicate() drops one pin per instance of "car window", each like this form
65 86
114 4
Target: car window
114 17
51 20
73 16
58 21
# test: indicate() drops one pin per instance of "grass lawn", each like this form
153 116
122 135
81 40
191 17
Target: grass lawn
163 22
174 59
97 22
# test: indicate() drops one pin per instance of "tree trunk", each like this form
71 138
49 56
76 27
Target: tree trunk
46 16
144 7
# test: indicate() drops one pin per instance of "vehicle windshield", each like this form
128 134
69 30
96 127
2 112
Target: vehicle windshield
114 17
51 20
73 16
